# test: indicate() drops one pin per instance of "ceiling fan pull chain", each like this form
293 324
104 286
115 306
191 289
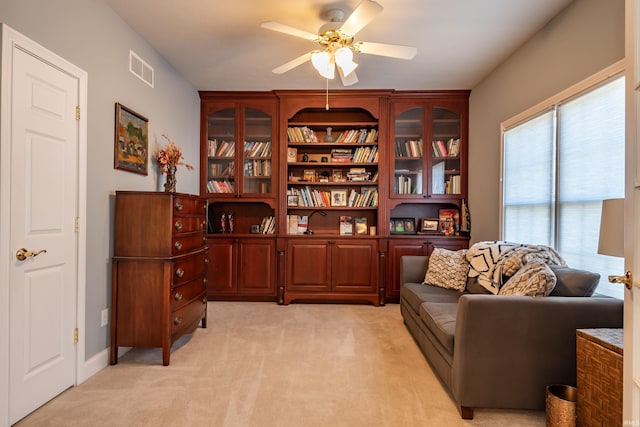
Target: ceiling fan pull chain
326 106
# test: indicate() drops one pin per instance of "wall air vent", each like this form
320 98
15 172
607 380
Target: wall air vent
140 69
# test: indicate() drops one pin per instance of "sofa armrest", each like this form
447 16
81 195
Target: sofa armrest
413 268
507 349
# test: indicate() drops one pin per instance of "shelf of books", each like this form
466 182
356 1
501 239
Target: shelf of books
332 177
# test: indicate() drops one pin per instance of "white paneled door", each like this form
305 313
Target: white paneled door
631 361
43 244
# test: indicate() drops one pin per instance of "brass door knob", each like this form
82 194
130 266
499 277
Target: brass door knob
627 279
22 254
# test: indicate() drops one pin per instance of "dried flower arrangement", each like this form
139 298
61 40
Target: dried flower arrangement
171 156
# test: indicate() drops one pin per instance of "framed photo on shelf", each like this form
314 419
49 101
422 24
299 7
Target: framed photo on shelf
292 154
337 176
429 225
338 197
403 226
361 225
292 200
131 152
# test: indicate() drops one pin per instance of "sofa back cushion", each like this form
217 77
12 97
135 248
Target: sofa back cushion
572 282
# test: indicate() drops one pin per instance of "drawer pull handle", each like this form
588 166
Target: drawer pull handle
179 206
204 239
177 321
206 261
204 300
177 245
204 280
180 272
178 225
177 296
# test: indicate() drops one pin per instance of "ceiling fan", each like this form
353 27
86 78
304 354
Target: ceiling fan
338 45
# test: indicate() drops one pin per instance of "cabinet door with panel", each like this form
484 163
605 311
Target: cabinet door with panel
237 145
342 270
241 268
429 148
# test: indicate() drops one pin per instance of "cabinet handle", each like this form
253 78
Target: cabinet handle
204 280
204 300
180 272
177 245
204 239
179 206
177 296
206 261
177 321
203 225
178 225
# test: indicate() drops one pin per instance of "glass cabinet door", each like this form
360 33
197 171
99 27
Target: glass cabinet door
221 151
446 146
408 152
257 152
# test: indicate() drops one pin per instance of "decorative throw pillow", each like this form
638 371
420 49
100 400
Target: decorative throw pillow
573 282
447 269
534 279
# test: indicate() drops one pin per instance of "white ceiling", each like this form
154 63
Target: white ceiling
219 45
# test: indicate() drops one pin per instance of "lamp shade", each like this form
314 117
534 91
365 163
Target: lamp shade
611 240
322 62
344 59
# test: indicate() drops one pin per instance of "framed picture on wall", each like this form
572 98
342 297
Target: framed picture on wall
131 152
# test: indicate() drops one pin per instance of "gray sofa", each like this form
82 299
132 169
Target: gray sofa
493 351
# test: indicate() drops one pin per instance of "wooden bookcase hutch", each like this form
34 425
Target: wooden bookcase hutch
314 192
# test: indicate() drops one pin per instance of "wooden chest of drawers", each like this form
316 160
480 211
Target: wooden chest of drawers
158 271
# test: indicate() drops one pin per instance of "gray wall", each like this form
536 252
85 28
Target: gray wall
583 39
91 36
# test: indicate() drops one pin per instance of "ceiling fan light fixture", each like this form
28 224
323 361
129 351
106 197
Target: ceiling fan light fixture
344 60
322 61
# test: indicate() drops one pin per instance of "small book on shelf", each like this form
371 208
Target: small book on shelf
303 222
346 225
449 221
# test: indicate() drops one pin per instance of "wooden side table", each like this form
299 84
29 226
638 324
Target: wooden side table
599 376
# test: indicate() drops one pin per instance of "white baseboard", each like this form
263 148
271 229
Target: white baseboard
96 364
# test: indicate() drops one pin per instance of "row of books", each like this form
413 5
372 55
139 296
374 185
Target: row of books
453 185
301 134
365 155
220 186
311 197
268 225
257 168
221 148
221 169
365 198
352 136
349 136
257 149
451 148
409 148
404 185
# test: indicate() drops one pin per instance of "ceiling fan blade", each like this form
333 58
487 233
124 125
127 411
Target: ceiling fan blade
349 80
292 64
282 28
361 16
383 49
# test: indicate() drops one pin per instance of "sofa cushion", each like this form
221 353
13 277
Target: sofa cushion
534 279
414 294
447 269
572 282
440 318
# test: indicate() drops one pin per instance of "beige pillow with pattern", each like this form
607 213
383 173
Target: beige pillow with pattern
447 269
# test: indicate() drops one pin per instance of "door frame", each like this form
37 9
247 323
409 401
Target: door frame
10 40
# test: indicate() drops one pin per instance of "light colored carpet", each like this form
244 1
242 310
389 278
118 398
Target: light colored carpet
264 365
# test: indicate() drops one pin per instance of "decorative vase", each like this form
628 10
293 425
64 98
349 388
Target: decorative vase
170 183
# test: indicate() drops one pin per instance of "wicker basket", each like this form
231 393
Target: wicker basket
561 405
